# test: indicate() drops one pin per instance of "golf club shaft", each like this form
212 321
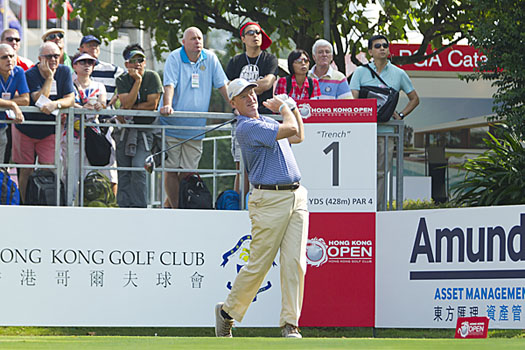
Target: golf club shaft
194 136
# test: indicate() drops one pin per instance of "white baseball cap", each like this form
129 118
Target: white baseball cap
237 86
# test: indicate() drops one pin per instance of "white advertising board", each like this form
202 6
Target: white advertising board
125 267
433 266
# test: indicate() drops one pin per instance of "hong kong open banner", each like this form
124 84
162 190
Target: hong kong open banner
338 167
435 266
125 267
340 279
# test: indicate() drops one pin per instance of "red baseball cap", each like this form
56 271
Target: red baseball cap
266 41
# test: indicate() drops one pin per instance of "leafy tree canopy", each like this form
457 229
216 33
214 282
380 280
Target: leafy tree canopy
439 21
500 33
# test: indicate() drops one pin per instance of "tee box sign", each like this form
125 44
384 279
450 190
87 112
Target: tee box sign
338 157
338 168
472 327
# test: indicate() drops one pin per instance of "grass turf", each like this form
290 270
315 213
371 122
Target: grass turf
308 332
154 343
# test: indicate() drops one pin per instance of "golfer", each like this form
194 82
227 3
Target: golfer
277 207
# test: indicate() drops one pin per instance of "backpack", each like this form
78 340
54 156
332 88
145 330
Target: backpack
227 200
98 191
97 146
193 193
9 194
41 189
289 86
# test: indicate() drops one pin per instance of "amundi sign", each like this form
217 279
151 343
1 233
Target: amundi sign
481 244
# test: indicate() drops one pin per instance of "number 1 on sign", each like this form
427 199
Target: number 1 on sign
334 146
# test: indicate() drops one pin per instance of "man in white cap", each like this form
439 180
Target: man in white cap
277 208
56 35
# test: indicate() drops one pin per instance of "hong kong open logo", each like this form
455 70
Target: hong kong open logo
305 110
316 252
463 330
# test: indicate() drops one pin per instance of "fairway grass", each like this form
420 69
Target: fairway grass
157 343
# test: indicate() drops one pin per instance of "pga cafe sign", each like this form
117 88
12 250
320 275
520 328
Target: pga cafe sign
458 58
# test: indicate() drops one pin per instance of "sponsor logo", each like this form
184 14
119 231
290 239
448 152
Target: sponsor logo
460 244
239 256
320 252
481 248
316 252
305 110
472 327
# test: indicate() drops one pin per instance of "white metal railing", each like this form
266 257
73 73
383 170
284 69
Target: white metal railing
214 172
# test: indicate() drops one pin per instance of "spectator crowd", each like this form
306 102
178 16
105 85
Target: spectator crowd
58 80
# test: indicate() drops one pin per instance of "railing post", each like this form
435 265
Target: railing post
58 162
400 166
214 179
70 180
81 145
162 165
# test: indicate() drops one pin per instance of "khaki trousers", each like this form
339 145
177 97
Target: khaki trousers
279 221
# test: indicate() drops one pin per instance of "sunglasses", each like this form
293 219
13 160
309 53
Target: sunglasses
6 57
86 62
50 56
11 39
136 60
378 45
252 32
302 60
53 36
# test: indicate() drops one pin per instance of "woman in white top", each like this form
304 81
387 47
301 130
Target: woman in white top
89 94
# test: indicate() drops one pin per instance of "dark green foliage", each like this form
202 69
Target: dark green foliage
292 24
499 33
497 177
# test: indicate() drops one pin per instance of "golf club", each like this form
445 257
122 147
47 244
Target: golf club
149 163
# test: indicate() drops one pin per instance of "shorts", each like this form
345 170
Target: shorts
25 148
185 156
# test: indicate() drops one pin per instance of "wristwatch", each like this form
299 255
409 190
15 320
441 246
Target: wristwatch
59 105
401 115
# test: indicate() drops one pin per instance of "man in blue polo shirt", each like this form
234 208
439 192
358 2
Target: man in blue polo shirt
396 78
14 92
277 207
190 73
332 83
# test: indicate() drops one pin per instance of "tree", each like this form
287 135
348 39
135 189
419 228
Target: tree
496 177
500 33
441 22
